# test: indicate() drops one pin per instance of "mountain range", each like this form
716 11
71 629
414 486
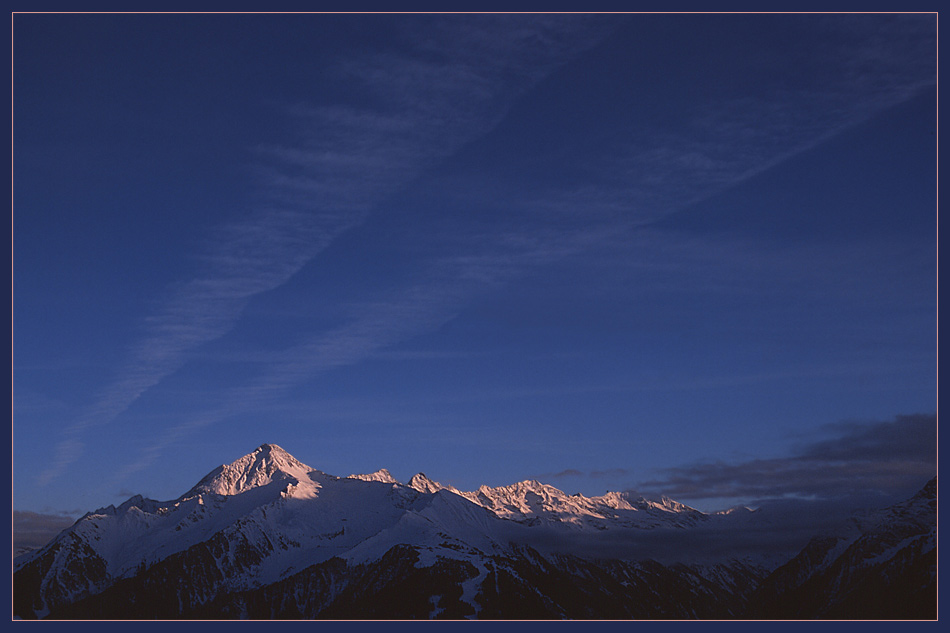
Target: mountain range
269 537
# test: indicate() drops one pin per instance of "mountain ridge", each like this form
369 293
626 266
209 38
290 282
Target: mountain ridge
267 519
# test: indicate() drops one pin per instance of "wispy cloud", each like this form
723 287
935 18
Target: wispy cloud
857 67
860 460
441 92
439 295
404 314
453 86
595 474
569 472
349 157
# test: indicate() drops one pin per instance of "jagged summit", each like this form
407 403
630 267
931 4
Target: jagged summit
666 503
266 464
422 483
382 475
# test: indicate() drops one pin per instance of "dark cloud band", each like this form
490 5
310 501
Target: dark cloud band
886 458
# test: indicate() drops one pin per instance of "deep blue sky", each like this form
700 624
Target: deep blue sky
669 253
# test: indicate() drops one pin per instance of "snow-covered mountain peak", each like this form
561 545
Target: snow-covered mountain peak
526 499
532 502
423 484
520 488
627 501
736 511
665 503
268 463
615 500
382 475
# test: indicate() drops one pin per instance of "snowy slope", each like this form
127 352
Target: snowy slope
881 563
267 520
266 516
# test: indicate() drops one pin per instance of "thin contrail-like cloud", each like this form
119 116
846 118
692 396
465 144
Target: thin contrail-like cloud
434 108
348 159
